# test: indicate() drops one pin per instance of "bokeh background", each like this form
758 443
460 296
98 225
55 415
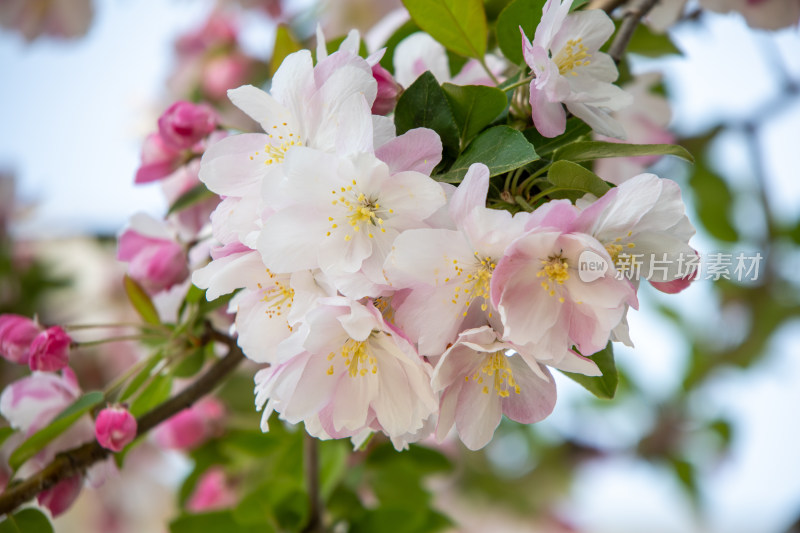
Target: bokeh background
704 431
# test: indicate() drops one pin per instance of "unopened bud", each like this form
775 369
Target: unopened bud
50 350
114 428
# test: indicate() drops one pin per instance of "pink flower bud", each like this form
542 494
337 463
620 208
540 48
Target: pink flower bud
192 426
212 492
388 91
61 496
184 124
156 263
159 160
114 428
223 73
16 335
50 350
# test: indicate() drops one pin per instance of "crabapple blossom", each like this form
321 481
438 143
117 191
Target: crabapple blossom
49 351
545 307
114 428
419 52
62 495
212 492
155 259
342 214
184 124
159 159
479 382
192 426
570 70
349 370
449 270
16 335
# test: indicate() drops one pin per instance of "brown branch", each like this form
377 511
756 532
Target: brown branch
77 460
633 15
311 460
606 5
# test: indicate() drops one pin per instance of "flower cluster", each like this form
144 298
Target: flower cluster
385 301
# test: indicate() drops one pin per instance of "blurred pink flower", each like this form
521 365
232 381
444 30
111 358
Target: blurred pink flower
192 426
212 492
156 260
159 159
57 18
224 72
184 124
115 428
16 335
50 350
61 496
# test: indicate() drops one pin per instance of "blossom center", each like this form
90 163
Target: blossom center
476 284
497 368
363 213
357 358
278 297
556 271
615 247
275 150
573 55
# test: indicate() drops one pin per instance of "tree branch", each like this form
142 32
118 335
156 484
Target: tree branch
633 15
71 462
606 5
311 463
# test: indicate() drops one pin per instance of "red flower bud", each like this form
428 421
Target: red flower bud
114 428
50 350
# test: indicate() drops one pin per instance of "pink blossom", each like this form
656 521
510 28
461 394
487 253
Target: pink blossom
30 403
50 350
156 260
64 19
159 159
115 428
545 306
419 52
16 335
570 70
212 492
62 495
184 124
388 91
192 426
479 382
347 370
223 73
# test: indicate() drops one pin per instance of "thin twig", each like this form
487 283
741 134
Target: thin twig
311 462
71 462
633 15
606 5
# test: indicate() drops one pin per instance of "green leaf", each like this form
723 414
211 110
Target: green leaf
525 13
153 394
604 386
141 301
193 196
26 521
36 442
714 201
650 44
140 378
216 522
285 44
424 104
192 362
590 150
474 107
500 148
4 434
576 128
460 25
387 61
569 175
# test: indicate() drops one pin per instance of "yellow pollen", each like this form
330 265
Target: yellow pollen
556 269
573 55
357 358
278 297
496 367
476 283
